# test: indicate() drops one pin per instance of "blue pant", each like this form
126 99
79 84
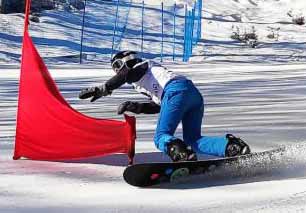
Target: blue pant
182 101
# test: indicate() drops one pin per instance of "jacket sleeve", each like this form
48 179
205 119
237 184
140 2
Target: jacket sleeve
116 81
150 108
127 76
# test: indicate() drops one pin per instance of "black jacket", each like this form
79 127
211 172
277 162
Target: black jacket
131 76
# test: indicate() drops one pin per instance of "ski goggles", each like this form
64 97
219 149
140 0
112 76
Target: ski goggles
127 61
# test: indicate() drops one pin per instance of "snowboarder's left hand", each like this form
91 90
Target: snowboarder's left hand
94 92
130 106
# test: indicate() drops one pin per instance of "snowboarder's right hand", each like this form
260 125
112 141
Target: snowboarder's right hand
130 106
94 92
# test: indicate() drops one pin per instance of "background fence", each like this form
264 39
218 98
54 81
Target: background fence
93 30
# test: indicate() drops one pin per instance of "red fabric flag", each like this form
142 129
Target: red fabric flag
48 128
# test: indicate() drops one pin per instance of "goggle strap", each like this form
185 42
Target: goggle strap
139 64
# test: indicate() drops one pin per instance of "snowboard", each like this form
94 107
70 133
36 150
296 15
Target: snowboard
149 174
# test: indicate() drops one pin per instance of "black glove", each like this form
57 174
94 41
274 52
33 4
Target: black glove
95 92
130 106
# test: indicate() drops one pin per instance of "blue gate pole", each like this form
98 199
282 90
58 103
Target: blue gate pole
185 35
115 28
82 33
142 28
195 31
192 28
174 31
200 21
162 24
188 34
192 31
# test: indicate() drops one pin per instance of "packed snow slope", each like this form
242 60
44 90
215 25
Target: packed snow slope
260 103
58 33
258 94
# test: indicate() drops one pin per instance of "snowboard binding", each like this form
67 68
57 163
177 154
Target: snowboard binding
236 146
178 151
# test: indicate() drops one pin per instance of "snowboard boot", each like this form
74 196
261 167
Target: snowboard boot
236 146
178 151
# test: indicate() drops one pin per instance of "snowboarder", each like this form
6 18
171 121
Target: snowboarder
176 99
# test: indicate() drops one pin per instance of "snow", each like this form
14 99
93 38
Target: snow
258 94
